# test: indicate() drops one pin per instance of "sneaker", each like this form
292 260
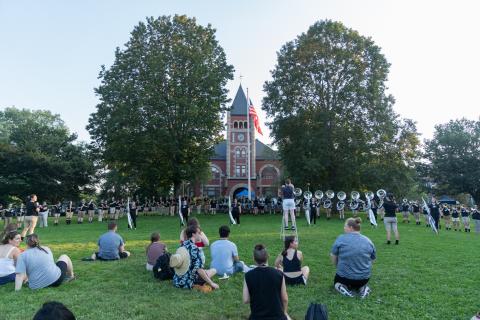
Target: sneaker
293 228
69 279
364 291
286 228
343 290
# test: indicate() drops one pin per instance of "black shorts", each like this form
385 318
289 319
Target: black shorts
295 281
62 265
199 280
123 255
350 283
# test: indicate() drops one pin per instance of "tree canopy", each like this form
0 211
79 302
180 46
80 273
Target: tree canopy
161 103
331 116
39 155
454 157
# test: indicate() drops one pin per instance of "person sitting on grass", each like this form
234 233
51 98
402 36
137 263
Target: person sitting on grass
224 254
352 254
111 245
9 253
154 250
54 311
290 262
187 263
264 289
36 264
201 242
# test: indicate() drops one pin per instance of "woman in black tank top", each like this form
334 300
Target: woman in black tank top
290 262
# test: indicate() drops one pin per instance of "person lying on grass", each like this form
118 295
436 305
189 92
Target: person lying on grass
352 254
290 262
111 245
187 263
36 264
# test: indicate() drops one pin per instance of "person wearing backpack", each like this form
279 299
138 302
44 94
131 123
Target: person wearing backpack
154 250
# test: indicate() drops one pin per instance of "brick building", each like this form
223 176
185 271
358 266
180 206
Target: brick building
229 166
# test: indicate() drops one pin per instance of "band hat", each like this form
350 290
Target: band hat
180 261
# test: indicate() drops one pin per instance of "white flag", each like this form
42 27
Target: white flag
230 211
180 211
129 217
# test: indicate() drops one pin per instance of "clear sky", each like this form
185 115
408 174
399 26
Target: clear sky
51 51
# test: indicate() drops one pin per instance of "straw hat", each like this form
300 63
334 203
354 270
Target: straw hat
180 261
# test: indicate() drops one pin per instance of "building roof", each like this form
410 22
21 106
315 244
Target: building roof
239 105
263 152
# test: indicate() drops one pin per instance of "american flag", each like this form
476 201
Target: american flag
253 114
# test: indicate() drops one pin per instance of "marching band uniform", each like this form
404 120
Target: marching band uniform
405 213
313 210
91 211
416 212
465 218
185 210
447 217
56 212
69 213
133 213
456 218
236 210
435 212
476 218
111 207
213 206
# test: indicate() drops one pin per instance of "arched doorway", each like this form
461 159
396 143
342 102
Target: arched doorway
240 190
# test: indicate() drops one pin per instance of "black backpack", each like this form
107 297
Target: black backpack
317 311
161 269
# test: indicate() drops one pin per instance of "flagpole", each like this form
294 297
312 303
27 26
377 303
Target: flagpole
248 143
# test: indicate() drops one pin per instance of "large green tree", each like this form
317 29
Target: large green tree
453 156
39 155
331 117
161 103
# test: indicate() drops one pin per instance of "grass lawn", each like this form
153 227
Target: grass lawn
425 277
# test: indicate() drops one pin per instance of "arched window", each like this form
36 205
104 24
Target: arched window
240 125
245 125
243 153
235 125
237 153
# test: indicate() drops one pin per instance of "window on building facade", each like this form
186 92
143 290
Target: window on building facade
215 173
240 125
237 153
243 153
235 125
243 169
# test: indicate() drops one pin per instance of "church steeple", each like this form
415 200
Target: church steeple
239 105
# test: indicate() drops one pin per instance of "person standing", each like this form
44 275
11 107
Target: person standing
31 216
91 210
288 203
476 218
236 210
111 209
185 210
133 213
390 219
435 212
416 212
405 211
447 217
353 255
465 218
56 209
43 215
456 218
69 213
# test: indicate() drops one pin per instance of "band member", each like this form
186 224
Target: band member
31 216
185 210
56 209
82 210
476 219
447 217
69 213
390 219
255 206
465 218
236 210
341 213
313 210
456 218
8 214
435 211
91 210
416 212
20 214
374 207
111 208
329 211
213 206
102 210
288 202
261 205
118 209
133 209
405 212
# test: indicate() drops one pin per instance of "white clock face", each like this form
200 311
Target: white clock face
241 137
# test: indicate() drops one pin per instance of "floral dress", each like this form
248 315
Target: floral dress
188 279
